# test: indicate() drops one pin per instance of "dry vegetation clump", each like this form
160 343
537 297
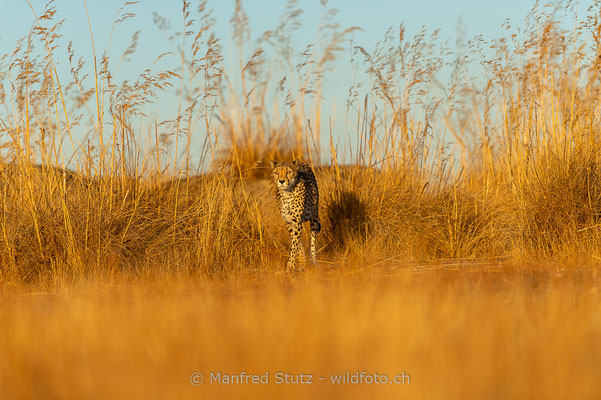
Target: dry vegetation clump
346 214
249 164
99 226
456 224
343 206
397 214
506 165
556 211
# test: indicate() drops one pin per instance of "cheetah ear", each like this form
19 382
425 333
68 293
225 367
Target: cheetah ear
273 164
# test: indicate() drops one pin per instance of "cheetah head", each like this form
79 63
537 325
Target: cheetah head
284 174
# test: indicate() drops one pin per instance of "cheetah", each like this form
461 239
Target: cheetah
298 200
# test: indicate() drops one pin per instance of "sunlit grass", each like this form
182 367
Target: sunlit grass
154 248
458 331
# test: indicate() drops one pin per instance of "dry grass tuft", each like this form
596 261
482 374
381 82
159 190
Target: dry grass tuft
346 216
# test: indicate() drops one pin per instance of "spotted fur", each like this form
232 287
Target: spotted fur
298 199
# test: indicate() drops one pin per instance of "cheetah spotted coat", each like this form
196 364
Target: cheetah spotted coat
298 200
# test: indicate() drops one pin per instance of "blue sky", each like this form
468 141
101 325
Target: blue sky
479 17
374 17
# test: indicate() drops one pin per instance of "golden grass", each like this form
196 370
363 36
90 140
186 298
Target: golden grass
122 270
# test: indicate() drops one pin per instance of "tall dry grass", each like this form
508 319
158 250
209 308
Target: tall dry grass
506 166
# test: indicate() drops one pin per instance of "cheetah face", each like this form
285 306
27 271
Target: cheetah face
284 175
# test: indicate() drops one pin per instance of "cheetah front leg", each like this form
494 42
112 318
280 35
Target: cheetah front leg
296 247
